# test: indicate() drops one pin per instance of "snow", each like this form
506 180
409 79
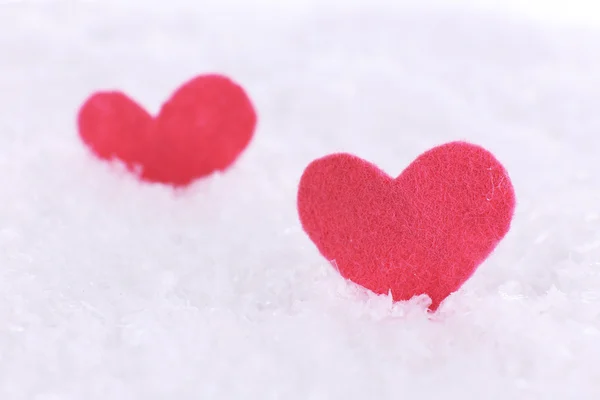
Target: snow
114 289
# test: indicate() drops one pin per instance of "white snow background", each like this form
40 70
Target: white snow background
115 289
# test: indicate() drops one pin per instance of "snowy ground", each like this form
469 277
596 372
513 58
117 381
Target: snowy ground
113 289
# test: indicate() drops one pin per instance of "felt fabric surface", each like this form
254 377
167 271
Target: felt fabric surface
201 129
424 232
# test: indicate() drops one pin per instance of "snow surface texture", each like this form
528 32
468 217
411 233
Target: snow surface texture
115 289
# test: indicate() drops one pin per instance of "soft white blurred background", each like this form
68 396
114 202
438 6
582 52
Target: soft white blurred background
114 289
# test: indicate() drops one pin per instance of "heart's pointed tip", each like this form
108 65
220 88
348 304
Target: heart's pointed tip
177 186
434 306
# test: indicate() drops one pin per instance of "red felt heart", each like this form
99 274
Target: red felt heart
201 129
424 232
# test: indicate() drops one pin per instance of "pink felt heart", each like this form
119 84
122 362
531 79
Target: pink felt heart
201 129
424 232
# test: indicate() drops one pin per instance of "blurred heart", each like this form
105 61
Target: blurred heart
424 232
201 129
